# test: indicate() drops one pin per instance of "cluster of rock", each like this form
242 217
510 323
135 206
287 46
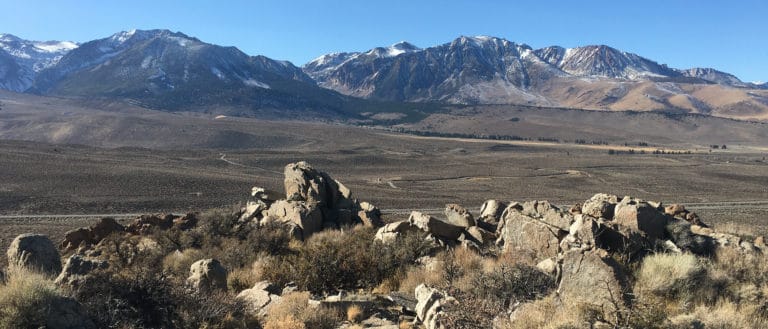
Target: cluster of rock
145 224
313 201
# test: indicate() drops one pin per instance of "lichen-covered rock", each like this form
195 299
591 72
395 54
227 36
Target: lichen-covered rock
34 252
530 236
207 275
592 277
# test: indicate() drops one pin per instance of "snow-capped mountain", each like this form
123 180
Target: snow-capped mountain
21 60
602 61
171 70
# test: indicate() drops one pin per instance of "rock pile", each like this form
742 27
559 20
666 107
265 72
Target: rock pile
313 201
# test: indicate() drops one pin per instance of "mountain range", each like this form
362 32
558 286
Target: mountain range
167 70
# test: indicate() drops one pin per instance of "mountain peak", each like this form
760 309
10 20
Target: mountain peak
405 45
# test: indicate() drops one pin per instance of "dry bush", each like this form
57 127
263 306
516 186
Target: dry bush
670 275
741 267
334 260
355 314
294 309
417 275
179 262
547 312
723 315
243 278
25 299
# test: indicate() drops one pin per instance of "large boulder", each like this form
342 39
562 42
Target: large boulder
389 233
303 214
641 216
369 214
459 216
77 268
207 275
600 205
533 237
592 277
34 252
429 306
258 298
679 231
435 226
304 183
145 224
548 213
492 210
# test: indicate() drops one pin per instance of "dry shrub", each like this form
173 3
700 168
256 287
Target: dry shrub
294 309
670 275
25 299
417 275
723 315
179 262
741 267
355 313
243 278
547 313
348 260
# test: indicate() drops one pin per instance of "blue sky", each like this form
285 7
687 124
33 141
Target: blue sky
731 36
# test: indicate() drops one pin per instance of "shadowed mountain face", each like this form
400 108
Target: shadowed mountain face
20 59
168 70
488 70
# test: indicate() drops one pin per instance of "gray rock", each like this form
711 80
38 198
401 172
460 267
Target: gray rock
207 275
594 278
389 233
640 216
258 299
435 226
430 302
480 235
459 216
600 205
34 252
548 213
530 236
305 215
77 268
369 214
492 210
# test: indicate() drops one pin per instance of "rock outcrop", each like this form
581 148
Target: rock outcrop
91 235
258 298
34 252
207 275
429 306
77 268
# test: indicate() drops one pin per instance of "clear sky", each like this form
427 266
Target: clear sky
731 36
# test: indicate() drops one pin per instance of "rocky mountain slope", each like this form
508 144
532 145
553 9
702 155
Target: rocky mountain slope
21 60
489 70
170 70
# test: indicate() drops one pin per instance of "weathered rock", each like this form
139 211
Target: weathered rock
492 210
307 216
513 206
34 252
675 210
701 230
429 308
258 298
582 235
185 222
2 276
91 235
524 234
459 216
252 210
369 214
600 205
67 313
679 231
304 183
759 242
480 235
145 224
207 275
592 278
548 213
389 233
435 226
77 268
548 266
642 217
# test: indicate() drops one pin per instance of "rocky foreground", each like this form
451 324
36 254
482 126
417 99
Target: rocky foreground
317 257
